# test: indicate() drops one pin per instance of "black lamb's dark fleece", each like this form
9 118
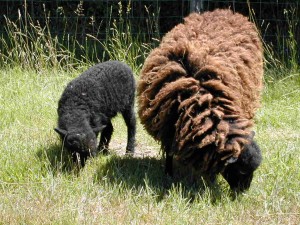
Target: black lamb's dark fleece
88 104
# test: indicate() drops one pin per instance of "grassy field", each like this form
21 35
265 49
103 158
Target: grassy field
39 185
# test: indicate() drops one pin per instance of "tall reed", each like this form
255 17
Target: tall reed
122 43
29 45
283 57
293 60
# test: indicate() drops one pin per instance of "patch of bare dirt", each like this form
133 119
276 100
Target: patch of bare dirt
141 151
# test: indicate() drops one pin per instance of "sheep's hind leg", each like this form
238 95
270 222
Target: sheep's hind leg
168 145
130 120
105 138
169 165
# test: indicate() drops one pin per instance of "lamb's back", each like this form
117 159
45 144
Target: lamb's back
106 87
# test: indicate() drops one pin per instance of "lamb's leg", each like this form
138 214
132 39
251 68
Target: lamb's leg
105 138
130 120
79 159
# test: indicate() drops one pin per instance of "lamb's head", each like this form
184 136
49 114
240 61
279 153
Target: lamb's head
239 173
82 142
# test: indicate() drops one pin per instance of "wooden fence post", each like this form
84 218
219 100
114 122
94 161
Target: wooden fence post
196 6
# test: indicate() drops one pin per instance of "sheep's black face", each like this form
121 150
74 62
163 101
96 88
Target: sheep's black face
238 177
240 173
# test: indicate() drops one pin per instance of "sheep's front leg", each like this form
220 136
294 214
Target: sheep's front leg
130 120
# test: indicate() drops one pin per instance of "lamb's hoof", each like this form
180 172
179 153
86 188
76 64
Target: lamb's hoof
104 151
129 152
93 154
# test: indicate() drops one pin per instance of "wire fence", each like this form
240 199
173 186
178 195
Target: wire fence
277 20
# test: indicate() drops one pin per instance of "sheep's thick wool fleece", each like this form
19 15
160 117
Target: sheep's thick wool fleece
208 72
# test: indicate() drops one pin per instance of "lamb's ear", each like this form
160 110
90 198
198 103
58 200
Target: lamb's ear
99 129
61 132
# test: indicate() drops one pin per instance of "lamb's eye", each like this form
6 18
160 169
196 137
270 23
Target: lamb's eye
73 142
243 172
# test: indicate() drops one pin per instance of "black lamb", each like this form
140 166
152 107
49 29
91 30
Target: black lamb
88 104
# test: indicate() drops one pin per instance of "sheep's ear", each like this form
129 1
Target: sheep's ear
99 129
61 132
252 134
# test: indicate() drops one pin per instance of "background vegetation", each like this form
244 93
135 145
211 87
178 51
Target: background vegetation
39 184
68 31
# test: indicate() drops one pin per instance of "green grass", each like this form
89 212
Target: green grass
39 185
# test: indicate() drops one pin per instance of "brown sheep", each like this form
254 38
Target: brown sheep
198 93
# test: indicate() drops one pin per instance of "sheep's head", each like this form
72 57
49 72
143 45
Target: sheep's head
239 173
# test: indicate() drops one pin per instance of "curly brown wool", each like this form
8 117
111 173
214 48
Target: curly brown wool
200 88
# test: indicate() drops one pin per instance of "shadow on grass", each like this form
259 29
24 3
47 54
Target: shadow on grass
144 173
56 159
132 173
